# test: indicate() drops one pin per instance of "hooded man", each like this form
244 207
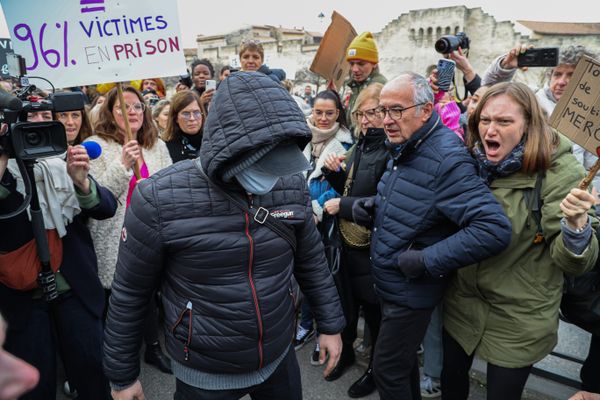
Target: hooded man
225 275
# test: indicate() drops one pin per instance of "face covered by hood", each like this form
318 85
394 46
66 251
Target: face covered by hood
248 113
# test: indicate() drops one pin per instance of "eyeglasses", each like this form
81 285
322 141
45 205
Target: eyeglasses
369 114
328 114
395 113
188 116
137 107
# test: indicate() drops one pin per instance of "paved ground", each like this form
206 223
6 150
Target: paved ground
160 386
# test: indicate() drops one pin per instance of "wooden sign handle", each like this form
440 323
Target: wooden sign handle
590 176
128 134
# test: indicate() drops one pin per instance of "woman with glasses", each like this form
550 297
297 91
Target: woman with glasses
330 135
184 126
114 169
355 174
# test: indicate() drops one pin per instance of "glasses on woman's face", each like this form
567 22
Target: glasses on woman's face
137 107
327 114
371 114
189 115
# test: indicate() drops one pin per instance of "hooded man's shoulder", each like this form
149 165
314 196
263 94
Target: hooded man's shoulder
182 174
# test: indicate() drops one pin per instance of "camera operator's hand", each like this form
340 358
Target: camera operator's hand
433 80
207 96
131 153
463 64
78 166
510 59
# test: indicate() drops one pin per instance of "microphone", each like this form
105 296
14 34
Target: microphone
9 102
93 149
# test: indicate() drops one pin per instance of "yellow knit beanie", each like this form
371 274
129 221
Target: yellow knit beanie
363 48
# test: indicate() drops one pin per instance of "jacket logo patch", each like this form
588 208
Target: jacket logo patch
124 234
282 214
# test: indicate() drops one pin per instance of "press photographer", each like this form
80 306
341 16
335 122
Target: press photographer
50 293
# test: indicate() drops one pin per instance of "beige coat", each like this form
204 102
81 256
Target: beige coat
110 173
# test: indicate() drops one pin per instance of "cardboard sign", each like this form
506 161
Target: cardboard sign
330 60
5 47
577 114
74 43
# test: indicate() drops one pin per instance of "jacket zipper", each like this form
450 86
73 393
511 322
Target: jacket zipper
253 288
186 347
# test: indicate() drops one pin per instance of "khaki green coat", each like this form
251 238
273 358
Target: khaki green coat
505 309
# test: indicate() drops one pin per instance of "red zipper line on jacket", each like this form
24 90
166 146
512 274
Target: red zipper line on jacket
186 349
254 296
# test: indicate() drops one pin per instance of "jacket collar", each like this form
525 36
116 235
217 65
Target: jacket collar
417 138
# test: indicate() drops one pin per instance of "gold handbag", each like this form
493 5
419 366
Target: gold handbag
354 235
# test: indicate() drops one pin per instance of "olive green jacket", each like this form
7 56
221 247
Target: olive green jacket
506 307
357 87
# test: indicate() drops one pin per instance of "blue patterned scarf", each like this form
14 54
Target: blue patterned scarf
509 165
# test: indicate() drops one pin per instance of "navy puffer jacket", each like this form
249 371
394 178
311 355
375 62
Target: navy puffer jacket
431 198
225 278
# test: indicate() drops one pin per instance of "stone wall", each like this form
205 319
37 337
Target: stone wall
406 43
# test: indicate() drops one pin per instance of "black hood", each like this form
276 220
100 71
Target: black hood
248 111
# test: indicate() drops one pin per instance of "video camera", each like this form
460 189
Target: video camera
26 142
449 43
31 140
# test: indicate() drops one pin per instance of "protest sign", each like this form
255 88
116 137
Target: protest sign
330 60
95 41
5 47
577 114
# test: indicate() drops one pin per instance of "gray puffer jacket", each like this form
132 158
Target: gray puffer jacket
225 278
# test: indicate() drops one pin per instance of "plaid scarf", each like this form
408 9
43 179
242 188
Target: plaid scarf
509 165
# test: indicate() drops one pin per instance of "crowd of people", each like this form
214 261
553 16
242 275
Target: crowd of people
241 222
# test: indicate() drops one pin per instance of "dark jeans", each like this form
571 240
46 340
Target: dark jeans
590 371
66 326
396 368
502 383
372 313
283 384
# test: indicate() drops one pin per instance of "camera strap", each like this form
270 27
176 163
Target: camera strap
260 215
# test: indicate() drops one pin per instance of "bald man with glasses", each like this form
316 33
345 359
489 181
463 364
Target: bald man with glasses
432 215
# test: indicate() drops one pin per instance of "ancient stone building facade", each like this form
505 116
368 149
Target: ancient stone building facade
407 42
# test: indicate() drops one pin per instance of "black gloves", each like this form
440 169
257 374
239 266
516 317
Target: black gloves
411 264
363 210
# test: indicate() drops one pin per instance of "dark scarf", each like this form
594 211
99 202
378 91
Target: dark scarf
509 165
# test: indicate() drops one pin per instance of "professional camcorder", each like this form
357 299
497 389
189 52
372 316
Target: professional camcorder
26 142
449 43
31 140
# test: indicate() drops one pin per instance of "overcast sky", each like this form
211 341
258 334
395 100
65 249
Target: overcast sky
222 16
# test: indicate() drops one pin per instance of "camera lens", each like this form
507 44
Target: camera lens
33 139
443 46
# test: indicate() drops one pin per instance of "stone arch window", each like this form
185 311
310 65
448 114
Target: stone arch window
448 30
420 37
456 29
438 32
429 34
413 35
